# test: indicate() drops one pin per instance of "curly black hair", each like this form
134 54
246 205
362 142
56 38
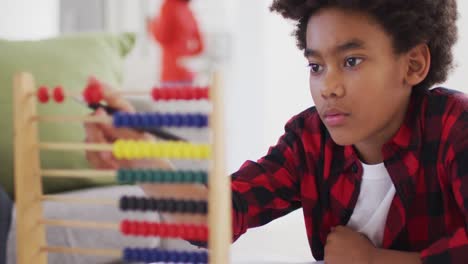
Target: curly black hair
408 22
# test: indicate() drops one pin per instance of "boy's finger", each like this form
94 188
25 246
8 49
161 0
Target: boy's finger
115 100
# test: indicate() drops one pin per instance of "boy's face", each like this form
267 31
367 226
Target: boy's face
356 79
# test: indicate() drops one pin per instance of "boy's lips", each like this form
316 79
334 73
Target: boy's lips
335 117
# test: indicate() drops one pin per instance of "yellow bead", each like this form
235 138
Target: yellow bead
117 149
186 152
155 150
164 150
196 152
146 150
205 152
177 150
139 149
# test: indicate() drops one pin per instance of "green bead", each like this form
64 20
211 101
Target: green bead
144 177
204 177
121 177
155 176
170 176
178 177
164 176
198 177
188 176
133 176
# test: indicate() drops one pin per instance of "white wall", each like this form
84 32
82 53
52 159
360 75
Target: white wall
458 80
28 19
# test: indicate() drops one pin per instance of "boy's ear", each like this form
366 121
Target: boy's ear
418 64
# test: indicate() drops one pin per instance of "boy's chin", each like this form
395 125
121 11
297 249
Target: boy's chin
343 139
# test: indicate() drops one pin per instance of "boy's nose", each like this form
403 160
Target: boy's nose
332 87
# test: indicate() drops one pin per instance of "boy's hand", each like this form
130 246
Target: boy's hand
345 245
107 134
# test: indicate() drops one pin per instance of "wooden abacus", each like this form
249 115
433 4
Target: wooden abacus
31 234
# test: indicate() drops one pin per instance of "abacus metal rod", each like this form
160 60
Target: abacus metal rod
64 119
75 146
83 251
78 173
79 200
79 224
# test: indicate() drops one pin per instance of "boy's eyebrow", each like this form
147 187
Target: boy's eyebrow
348 45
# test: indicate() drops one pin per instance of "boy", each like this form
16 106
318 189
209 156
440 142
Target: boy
379 165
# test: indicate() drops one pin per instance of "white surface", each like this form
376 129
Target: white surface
376 195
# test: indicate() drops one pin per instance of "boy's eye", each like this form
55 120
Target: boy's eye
352 62
315 68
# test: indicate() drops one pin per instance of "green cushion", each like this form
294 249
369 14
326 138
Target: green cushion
67 61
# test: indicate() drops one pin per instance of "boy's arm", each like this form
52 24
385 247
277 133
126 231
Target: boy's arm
384 256
454 248
270 188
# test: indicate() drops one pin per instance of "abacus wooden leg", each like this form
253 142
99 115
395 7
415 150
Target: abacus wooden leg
219 195
28 187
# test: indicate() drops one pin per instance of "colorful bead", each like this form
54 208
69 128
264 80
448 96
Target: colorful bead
58 94
43 94
93 93
148 255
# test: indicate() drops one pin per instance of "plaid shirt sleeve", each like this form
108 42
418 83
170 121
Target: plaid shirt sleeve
454 248
269 188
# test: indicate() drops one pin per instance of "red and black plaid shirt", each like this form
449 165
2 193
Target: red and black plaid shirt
427 160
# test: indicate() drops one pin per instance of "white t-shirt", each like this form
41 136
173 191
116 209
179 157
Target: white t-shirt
375 197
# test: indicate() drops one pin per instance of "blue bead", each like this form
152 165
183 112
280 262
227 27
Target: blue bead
146 256
125 120
146 120
194 257
117 120
172 256
164 120
135 255
133 120
186 120
164 256
184 257
155 255
177 120
127 255
138 120
155 120
170 120
204 120
204 257
199 118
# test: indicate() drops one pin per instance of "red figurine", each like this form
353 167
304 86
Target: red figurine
176 29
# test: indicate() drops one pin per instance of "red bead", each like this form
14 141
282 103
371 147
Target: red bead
125 227
181 230
133 228
43 94
153 229
205 93
163 93
190 232
145 229
59 95
171 93
155 94
192 93
162 230
198 93
93 92
203 233
178 93
172 231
